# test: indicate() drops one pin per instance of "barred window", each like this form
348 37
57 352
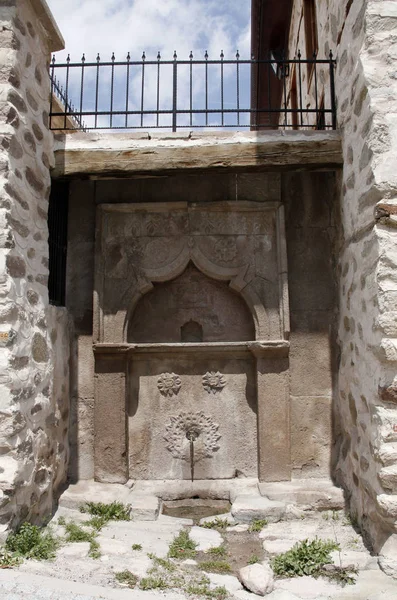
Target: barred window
57 242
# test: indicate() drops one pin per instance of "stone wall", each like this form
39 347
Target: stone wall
33 335
363 36
311 206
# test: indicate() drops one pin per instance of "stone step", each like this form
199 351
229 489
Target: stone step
145 507
314 494
247 508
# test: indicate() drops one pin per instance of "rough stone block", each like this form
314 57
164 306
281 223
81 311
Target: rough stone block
257 579
144 507
388 557
248 508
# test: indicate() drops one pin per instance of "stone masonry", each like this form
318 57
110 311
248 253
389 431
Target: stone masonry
363 36
33 335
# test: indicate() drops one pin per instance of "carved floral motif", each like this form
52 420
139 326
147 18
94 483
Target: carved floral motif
206 432
225 249
169 384
213 382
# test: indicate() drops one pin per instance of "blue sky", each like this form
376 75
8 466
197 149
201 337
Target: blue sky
134 26
120 26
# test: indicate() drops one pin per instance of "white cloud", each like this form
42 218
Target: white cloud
121 26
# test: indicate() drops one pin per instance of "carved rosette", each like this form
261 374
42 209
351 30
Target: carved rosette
213 382
169 384
206 430
225 249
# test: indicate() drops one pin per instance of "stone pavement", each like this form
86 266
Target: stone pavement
141 545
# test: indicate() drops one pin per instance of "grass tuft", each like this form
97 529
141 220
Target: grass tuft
115 511
217 551
254 559
257 525
136 546
30 541
182 546
9 559
154 582
216 523
126 578
215 566
75 533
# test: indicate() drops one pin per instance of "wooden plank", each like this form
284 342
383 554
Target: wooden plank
113 155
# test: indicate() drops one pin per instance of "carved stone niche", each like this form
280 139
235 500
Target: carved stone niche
216 275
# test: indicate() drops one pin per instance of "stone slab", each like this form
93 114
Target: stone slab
144 507
205 538
246 508
315 494
230 582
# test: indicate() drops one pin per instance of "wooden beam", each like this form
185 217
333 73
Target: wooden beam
128 155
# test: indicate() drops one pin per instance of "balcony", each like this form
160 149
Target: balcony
197 93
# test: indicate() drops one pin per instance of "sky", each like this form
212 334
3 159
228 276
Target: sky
134 26
119 26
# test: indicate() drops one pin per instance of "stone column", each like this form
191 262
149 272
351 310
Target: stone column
110 422
33 336
274 446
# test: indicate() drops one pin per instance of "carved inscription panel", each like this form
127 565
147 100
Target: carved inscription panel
140 245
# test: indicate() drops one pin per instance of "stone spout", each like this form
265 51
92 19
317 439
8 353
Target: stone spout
192 435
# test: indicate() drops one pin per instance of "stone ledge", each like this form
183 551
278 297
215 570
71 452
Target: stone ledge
45 16
316 494
272 348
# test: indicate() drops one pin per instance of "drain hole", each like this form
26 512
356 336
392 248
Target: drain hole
195 497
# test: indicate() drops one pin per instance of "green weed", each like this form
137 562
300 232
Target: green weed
216 523
153 583
32 542
115 511
9 559
127 578
254 559
257 525
136 546
305 558
215 566
312 558
218 551
182 546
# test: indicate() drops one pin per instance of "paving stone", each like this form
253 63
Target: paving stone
284 595
277 546
230 582
361 560
111 546
257 579
74 550
205 538
308 587
154 536
246 508
240 528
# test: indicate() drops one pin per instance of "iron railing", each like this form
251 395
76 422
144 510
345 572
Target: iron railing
204 93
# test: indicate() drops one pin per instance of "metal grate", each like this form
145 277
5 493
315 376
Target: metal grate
57 242
203 93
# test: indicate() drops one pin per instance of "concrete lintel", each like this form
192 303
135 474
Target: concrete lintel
93 155
46 18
